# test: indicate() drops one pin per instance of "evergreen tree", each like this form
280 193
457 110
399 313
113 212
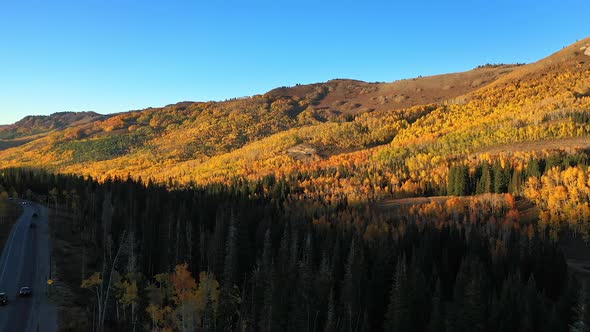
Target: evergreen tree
301 313
216 261
500 179
459 182
437 321
230 297
231 256
533 168
582 311
484 184
473 313
331 324
268 316
398 310
516 183
352 299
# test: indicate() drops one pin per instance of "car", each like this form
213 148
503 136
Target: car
25 292
35 215
3 299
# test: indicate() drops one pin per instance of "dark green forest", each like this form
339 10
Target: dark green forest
273 263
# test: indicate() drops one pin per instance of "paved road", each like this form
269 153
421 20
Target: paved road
25 262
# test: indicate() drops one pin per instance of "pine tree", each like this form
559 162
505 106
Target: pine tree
582 311
501 178
230 298
484 185
331 324
263 276
451 179
516 183
533 168
268 314
217 258
437 322
282 282
473 313
231 255
301 312
505 312
398 310
531 316
352 299
267 256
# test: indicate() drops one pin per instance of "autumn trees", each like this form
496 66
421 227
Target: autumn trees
178 301
563 197
363 157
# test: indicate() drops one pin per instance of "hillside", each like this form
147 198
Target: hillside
189 131
34 127
354 97
385 137
38 124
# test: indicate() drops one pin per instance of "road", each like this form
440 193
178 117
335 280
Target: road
25 261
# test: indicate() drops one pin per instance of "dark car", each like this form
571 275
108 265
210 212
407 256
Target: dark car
25 292
35 215
3 299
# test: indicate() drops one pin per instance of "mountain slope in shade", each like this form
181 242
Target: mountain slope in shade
34 127
419 124
37 124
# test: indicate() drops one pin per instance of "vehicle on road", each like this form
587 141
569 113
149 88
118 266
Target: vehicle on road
3 299
25 292
35 215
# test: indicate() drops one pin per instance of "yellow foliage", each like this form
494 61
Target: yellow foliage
92 281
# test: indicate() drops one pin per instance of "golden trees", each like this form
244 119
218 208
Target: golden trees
563 197
177 301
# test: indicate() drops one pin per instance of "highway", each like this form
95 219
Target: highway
25 261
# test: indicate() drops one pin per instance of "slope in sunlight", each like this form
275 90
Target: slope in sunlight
142 142
348 125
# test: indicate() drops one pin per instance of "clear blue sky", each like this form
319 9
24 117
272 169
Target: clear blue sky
115 55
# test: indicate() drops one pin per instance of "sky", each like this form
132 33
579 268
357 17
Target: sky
112 56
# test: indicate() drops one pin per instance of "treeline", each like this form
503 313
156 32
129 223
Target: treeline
257 263
503 177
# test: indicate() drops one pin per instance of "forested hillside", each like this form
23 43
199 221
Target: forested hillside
233 258
381 145
311 208
144 142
